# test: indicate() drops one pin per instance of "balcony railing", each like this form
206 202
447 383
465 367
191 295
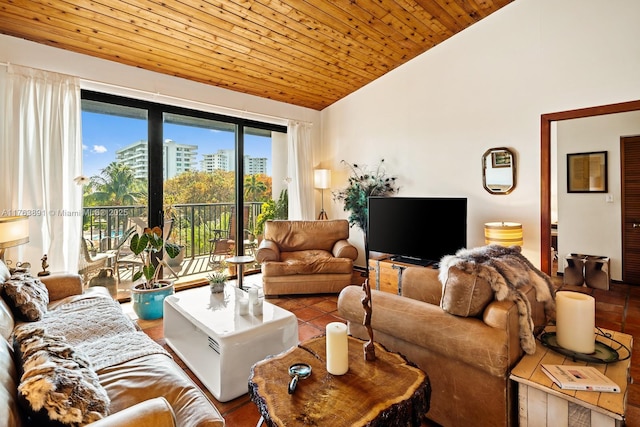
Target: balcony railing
194 224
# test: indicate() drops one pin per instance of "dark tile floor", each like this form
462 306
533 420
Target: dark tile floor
616 309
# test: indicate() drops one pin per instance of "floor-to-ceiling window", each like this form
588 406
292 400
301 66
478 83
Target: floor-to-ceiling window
206 173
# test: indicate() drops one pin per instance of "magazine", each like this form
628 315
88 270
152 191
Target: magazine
585 378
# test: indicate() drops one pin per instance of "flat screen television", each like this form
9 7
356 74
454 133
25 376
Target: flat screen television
417 230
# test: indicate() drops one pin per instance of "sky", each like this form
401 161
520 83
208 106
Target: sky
103 134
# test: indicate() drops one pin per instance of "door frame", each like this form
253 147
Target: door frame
545 165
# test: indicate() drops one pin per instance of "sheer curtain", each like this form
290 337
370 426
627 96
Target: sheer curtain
300 171
42 153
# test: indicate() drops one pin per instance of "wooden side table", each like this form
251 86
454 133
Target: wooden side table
543 403
387 391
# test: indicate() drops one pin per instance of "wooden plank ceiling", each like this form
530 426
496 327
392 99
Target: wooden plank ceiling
307 53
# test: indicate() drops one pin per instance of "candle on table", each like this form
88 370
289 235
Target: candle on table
337 348
575 321
243 306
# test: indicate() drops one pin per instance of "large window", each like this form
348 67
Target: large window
150 163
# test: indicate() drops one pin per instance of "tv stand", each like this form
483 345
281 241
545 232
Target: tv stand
385 272
414 261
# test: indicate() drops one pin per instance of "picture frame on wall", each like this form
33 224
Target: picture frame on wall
587 172
500 159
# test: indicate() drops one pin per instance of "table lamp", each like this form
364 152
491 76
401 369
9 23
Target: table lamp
14 231
322 181
503 233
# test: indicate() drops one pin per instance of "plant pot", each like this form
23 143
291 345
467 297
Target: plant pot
216 288
148 304
177 261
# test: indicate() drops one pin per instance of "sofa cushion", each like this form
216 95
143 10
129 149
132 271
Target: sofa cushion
464 293
27 296
9 408
4 272
302 235
57 383
307 262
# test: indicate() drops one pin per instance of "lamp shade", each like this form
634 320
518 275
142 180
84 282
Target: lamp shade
14 231
322 178
503 233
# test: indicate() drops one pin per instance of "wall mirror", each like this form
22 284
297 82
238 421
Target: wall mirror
499 170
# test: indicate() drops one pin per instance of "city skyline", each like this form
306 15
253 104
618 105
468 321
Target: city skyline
103 135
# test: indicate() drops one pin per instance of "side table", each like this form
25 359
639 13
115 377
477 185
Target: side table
543 403
388 389
240 261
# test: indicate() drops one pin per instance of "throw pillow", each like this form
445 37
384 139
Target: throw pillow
27 296
58 385
464 293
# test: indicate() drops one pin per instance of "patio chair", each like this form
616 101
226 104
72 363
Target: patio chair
90 265
222 245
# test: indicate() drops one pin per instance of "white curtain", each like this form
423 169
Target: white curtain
42 153
300 171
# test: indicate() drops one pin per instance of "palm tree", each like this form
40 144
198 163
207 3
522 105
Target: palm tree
253 187
115 186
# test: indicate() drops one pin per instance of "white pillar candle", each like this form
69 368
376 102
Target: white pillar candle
337 348
256 308
243 306
253 296
575 321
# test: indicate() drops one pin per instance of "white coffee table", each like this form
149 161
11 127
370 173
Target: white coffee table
219 345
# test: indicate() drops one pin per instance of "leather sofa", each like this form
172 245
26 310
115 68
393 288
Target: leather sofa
468 358
146 389
306 257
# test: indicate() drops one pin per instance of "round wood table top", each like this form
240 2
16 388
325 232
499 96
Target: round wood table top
386 391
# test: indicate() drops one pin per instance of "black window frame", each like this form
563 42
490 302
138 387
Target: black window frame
155 112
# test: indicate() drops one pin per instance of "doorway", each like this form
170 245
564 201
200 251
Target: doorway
630 176
546 121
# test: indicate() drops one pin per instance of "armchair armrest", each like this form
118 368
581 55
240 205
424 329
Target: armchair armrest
151 413
62 285
267 251
344 249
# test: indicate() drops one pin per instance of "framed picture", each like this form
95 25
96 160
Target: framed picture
500 159
587 172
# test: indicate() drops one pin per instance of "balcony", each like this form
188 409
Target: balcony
194 227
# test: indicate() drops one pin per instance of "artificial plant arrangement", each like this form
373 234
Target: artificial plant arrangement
217 279
362 184
146 245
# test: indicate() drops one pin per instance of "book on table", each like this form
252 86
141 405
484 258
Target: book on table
585 378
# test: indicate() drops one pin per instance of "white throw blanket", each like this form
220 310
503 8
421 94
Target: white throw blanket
506 270
97 326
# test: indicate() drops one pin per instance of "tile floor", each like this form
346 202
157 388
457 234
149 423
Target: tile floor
618 309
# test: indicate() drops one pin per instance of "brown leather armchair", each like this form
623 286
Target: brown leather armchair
306 257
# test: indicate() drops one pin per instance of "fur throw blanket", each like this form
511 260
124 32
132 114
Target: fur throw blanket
506 270
58 381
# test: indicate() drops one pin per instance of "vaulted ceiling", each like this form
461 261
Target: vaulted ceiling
307 53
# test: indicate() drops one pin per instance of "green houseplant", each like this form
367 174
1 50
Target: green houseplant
217 279
272 209
148 296
362 184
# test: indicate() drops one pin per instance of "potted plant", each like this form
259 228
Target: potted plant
217 280
148 296
362 184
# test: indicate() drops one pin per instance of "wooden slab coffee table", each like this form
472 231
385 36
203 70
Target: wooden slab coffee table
388 390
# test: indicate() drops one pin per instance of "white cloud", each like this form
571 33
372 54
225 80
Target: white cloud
100 149
84 147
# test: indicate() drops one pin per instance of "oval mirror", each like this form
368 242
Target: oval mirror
499 170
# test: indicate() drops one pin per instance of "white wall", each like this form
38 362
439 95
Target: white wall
587 223
433 118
